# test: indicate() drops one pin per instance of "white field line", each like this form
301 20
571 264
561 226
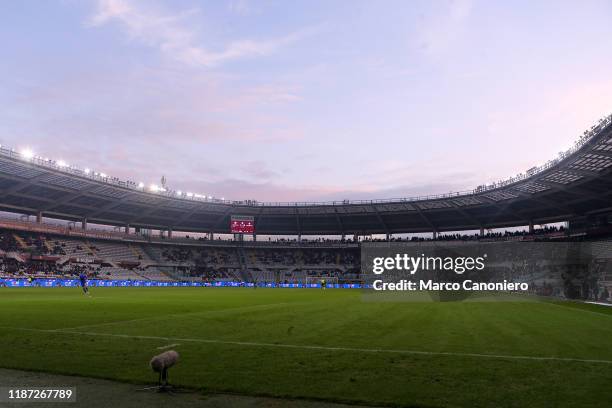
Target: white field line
168 346
161 316
599 304
577 309
320 348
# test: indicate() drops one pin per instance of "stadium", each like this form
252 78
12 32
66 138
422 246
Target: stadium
291 292
159 286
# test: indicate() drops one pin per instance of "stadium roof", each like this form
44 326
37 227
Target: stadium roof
577 183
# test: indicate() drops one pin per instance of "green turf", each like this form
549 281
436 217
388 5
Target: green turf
334 319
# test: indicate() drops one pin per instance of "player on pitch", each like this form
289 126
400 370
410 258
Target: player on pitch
83 279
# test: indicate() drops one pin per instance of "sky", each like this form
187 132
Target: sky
303 100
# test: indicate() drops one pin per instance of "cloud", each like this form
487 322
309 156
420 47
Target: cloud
159 106
265 190
109 9
172 35
258 170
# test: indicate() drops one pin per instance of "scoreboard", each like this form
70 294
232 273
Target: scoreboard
240 224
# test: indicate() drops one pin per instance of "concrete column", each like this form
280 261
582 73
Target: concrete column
300 238
482 231
127 229
388 236
169 232
531 227
254 237
435 235
212 236
84 224
39 217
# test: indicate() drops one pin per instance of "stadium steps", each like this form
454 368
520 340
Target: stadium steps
152 254
158 263
245 274
265 276
602 249
116 252
154 273
136 252
20 241
47 245
92 252
140 275
171 274
118 273
16 256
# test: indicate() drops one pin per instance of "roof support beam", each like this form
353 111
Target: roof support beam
67 199
465 214
339 221
382 222
22 185
225 214
580 192
186 216
548 202
298 222
505 208
427 221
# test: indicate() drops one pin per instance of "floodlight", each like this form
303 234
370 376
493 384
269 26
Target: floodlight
27 153
141 185
62 163
87 171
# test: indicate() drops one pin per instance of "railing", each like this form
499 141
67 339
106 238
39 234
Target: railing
49 228
587 136
61 166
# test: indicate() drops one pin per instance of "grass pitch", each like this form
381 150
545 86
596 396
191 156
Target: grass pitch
308 343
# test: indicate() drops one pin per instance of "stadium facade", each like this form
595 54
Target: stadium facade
575 187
